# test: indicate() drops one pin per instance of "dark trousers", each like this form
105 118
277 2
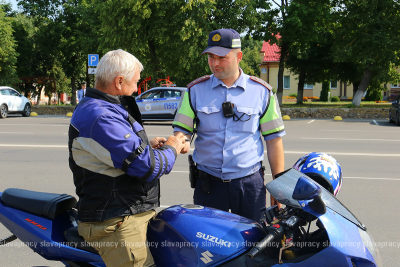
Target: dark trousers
242 196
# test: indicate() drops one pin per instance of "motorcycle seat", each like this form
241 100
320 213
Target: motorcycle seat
47 205
73 238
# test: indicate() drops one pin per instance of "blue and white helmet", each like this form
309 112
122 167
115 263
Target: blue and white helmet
323 169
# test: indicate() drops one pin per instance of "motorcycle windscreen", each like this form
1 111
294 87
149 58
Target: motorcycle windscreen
193 235
282 190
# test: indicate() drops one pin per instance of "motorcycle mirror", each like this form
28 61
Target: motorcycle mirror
306 189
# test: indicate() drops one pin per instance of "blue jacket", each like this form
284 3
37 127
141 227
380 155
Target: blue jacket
115 169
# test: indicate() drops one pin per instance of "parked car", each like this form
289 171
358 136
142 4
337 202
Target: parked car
11 101
394 112
160 103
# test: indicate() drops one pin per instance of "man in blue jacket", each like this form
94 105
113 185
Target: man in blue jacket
116 168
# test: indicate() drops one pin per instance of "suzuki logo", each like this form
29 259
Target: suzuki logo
206 256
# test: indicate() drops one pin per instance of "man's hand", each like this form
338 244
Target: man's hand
177 141
186 148
157 142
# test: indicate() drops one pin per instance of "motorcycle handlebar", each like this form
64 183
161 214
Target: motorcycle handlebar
260 246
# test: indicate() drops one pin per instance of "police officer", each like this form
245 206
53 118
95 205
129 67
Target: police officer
82 91
232 111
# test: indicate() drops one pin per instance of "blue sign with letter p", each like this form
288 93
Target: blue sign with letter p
93 60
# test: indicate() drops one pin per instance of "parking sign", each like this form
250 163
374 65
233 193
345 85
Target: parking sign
93 60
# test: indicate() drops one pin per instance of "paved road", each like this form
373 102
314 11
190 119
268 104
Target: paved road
33 155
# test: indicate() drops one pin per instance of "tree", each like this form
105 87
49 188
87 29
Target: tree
74 30
169 36
24 32
251 56
273 23
61 39
325 92
368 35
309 28
8 55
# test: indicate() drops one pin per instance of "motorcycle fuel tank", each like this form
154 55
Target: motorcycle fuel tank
192 235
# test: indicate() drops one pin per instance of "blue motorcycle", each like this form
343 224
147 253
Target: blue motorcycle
314 229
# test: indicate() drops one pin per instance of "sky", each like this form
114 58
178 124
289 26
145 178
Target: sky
13 2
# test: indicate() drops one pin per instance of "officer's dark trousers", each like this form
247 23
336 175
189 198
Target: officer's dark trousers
243 196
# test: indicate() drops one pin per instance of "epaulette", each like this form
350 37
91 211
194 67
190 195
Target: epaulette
261 81
199 80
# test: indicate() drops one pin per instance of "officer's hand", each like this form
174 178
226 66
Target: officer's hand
177 141
157 142
274 202
186 148
187 143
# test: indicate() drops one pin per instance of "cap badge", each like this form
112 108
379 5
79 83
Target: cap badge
216 37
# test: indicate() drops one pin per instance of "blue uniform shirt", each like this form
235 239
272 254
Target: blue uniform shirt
226 148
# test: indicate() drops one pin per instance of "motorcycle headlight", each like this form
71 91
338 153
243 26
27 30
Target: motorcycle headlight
371 246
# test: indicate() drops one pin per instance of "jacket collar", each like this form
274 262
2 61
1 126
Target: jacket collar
97 94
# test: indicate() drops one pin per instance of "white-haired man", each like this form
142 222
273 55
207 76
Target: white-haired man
116 168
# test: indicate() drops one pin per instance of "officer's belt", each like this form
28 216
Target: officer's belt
204 175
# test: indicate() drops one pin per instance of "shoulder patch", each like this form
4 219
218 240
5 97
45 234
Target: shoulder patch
261 81
198 80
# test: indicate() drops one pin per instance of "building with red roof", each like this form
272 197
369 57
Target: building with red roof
270 56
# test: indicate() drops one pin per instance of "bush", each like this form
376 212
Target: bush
293 95
374 91
325 91
335 99
373 94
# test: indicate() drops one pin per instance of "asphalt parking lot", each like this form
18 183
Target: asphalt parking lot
34 156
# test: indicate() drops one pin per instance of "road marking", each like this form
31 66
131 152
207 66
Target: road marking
15 133
367 178
345 154
310 121
375 122
359 131
44 146
351 139
286 152
341 153
56 125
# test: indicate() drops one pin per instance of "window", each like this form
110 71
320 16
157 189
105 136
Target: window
308 86
395 85
167 94
286 82
5 92
263 70
333 84
14 93
152 94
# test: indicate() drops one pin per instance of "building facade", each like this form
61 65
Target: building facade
269 56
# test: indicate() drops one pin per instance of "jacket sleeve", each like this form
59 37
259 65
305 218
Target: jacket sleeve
118 141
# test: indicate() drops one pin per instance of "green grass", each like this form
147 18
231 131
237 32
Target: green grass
344 104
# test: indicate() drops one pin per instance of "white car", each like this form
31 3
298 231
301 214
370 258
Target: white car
11 101
160 103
